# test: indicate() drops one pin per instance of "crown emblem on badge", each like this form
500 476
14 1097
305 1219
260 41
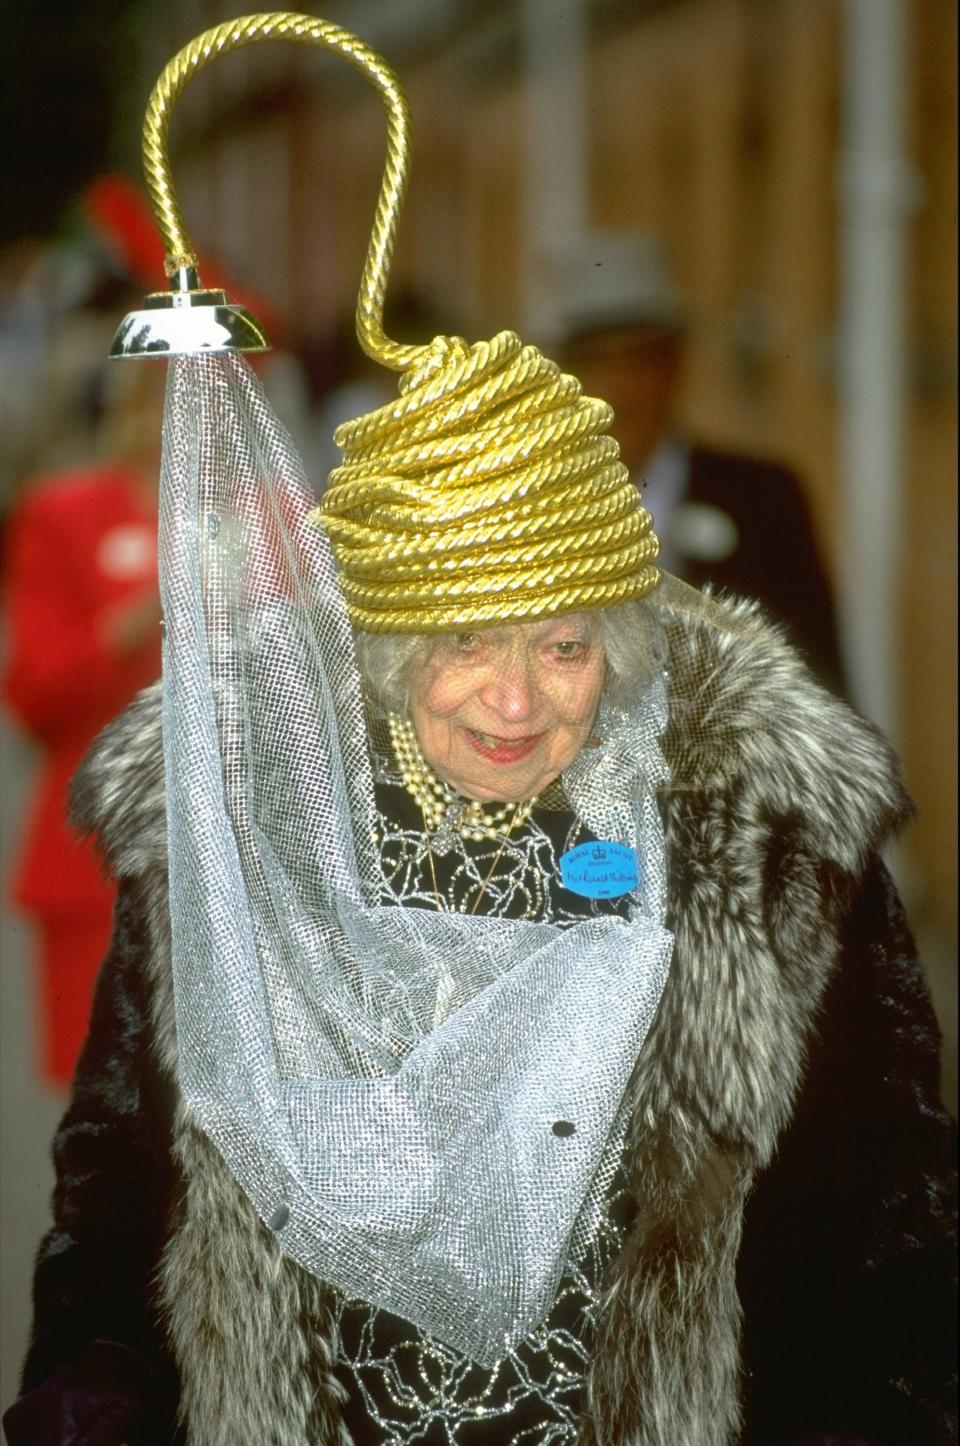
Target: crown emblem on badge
599 853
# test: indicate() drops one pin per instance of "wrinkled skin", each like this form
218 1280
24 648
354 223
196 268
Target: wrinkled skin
500 712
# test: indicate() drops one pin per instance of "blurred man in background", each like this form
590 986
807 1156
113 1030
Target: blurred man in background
739 522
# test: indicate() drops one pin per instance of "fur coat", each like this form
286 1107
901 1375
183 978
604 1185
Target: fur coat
786 1277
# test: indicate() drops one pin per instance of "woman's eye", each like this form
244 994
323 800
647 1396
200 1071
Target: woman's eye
466 642
568 648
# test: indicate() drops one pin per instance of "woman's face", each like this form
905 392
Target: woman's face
500 712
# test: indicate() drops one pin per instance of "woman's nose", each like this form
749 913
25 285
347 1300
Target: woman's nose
511 691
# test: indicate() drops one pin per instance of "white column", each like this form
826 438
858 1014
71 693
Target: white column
878 191
553 176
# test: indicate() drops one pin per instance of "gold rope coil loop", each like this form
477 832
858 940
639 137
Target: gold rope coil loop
486 492
288 25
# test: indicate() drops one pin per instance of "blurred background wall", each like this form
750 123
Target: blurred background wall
732 128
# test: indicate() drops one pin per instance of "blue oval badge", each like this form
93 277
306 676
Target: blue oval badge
600 870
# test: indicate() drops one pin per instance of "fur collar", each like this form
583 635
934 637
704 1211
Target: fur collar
743 707
780 795
745 710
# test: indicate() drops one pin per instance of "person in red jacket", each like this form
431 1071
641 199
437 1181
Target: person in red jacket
83 626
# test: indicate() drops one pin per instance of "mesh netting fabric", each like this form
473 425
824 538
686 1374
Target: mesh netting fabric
404 1388
412 1163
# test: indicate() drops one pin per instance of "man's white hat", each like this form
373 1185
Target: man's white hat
614 278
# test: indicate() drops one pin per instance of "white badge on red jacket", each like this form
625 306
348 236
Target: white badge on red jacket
127 552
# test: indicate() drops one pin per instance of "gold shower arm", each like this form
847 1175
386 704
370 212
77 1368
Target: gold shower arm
287 25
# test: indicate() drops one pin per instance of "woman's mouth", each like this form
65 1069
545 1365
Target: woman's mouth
501 750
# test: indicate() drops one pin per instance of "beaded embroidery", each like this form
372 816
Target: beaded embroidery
405 1388
402 1386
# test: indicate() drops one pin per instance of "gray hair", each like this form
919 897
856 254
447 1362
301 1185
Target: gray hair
632 644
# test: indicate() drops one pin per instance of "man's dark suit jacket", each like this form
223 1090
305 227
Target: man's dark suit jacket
776 559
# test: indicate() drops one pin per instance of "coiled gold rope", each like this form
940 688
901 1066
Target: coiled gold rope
288 25
488 491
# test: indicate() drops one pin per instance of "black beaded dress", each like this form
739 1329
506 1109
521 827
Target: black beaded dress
402 1386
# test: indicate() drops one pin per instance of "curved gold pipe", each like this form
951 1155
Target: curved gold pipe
288 25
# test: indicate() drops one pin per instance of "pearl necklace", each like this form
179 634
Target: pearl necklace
444 811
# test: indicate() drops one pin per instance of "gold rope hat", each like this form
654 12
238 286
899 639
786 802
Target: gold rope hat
488 491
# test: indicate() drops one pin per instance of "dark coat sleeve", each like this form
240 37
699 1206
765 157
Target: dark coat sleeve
97 1370
847 1272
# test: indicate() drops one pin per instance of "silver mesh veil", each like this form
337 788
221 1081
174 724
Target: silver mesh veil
409 1165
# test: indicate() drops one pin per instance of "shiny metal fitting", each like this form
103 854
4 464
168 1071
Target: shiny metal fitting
187 321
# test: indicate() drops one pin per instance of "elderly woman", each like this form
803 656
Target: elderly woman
510 1033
